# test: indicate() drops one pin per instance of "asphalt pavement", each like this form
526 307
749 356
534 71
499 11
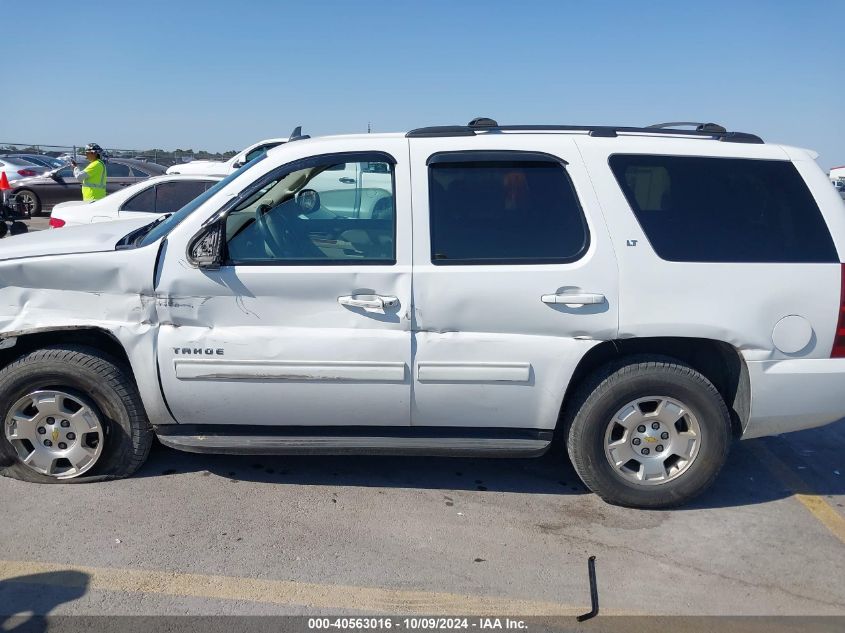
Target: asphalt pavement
200 534
38 223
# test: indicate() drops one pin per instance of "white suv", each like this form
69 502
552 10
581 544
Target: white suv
646 295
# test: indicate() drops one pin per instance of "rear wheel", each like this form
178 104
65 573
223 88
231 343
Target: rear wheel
71 414
28 203
651 433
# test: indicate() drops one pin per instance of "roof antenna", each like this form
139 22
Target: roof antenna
297 134
369 128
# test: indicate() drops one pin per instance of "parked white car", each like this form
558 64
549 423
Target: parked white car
224 168
646 294
148 200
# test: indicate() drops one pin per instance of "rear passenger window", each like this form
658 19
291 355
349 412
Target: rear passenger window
144 201
724 209
503 208
172 196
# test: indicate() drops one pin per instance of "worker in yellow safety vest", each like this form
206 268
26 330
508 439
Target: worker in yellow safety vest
93 177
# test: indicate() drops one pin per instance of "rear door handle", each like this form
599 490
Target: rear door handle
576 299
370 303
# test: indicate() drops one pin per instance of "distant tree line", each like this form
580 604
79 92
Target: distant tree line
160 156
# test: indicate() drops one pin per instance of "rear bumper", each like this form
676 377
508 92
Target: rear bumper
796 394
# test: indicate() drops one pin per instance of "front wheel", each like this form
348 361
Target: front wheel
652 433
71 414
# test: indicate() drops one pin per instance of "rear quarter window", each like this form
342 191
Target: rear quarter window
695 209
117 170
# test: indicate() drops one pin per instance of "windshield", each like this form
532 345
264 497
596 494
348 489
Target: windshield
164 227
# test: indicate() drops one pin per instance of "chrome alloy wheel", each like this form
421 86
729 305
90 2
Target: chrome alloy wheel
652 440
55 433
26 202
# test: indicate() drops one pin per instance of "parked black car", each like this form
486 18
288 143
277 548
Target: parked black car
40 193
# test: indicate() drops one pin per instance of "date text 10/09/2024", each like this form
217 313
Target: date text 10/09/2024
414 624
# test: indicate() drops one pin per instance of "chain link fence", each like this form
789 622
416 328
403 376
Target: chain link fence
159 156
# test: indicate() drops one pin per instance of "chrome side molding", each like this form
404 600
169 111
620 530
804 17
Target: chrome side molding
339 445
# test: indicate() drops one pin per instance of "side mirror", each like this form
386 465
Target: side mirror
238 164
205 250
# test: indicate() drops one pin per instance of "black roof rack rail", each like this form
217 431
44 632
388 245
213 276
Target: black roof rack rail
441 130
701 127
483 121
489 126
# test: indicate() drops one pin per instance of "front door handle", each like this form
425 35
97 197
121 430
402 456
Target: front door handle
575 299
370 303
347 181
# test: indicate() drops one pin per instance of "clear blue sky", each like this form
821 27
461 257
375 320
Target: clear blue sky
219 75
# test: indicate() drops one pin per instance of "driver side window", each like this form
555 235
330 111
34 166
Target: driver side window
321 211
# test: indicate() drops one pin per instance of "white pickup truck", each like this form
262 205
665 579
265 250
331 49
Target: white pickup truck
645 294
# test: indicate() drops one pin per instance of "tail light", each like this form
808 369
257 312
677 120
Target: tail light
27 172
838 350
56 223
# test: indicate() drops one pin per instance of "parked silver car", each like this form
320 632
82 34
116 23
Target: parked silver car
18 168
50 162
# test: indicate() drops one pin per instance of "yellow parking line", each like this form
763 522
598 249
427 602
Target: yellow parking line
817 506
281 592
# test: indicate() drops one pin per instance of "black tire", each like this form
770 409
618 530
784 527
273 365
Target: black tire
29 211
17 228
601 396
108 388
4 229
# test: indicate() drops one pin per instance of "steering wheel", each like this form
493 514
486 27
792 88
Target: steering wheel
275 240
